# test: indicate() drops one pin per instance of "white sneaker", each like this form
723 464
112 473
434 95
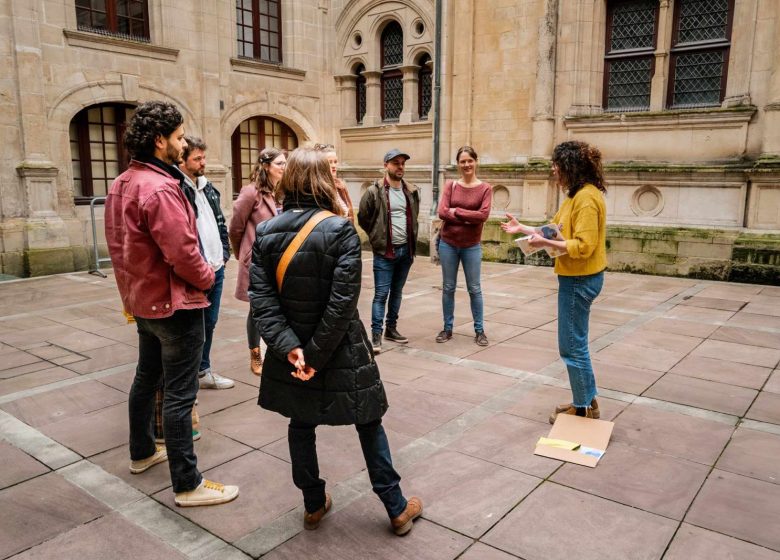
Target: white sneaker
207 493
210 380
160 455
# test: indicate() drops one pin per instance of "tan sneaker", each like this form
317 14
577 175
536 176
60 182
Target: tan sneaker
403 523
312 520
256 361
160 455
594 406
207 493
570 410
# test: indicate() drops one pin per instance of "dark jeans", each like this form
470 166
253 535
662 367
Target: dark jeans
376 451
169 352
389 278
211 315
252 334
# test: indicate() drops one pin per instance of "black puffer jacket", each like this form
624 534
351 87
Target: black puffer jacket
317 311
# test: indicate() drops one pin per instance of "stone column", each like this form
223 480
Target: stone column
373 115
741 55
411 103
589 40
771 144
46 242
663 43
346 85
543 127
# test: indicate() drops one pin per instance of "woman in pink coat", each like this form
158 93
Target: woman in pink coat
255 203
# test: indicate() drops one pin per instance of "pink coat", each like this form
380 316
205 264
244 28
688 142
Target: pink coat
153 242
249 210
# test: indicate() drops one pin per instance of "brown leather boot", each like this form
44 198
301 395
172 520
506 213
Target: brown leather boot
403 523
312 520
256 361
594 406
570 410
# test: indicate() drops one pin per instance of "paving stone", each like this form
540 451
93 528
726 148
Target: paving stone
663 340
754 321
700 393
764 308
645 427
699 314
480 551
414 413
518 355
212 400
34 379
462 384
266 492
713 369
595 330
400 368
363 526
676 326
773 385
624 378
464 493
495 331
17 465
49 351
741 353
539 402
643 479
738 506
509 441
624 303
25 369
105 357
639 356
338 450
249 424
111 536
606 316
714 303
521 318
80 398
694 542
17 358
766 408
553 519
79 341
121 381
93 432
751 337
754 454
40 509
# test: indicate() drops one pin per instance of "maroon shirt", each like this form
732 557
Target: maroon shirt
472 209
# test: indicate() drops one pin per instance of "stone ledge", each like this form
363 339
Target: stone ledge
110 44
251 66
733 117
380 132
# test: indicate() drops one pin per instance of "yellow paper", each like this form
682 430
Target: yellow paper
558 443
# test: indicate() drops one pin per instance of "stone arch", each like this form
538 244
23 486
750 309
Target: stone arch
290 116
417 51
354 62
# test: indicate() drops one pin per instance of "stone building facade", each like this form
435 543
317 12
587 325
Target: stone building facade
682 96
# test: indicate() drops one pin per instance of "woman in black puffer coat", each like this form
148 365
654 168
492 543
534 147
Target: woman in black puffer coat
319 367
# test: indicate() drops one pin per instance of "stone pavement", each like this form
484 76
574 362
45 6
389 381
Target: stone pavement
687 370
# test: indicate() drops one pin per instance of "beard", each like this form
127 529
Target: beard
396 176
172 155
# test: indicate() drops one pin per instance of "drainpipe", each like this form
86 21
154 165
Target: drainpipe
436 108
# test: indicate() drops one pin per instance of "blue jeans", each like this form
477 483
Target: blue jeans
451 258
376 451
389 279
575 295
211 315
169 352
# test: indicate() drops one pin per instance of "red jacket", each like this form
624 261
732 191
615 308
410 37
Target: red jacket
153 243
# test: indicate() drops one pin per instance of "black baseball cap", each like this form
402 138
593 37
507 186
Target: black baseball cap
394 153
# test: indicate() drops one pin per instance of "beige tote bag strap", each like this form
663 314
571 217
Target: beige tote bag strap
297 241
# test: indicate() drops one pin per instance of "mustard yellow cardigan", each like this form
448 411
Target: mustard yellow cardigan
583 221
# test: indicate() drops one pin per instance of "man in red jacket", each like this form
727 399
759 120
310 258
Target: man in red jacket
162 277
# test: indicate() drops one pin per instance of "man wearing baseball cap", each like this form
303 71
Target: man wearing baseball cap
388 214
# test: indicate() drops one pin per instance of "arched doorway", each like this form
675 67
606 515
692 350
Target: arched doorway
252 136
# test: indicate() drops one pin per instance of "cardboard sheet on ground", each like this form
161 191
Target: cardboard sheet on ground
591 438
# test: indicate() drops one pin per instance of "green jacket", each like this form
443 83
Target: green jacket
374 216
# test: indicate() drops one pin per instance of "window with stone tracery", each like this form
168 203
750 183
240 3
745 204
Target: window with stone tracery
424 86
392 53
360 94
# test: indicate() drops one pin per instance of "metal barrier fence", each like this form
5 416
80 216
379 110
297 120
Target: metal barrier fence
97 260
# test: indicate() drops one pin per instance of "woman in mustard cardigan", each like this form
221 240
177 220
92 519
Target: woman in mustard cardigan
582 220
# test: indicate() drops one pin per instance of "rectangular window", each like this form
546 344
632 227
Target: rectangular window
629 62
392 95
127 19
259 30
700 52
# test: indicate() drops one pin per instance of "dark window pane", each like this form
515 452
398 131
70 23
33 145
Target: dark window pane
697 79
702 20
425 81
360 94
394 98
392 45
629 84
633 25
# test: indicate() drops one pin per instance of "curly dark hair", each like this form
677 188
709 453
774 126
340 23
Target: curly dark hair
193 143
578 164
150 120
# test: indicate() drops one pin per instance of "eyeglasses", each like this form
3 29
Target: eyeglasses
280 163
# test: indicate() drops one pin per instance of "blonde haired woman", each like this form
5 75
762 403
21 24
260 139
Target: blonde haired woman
344 200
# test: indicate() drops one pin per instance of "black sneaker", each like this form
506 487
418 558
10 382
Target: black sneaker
376 342
481 339
443 336
391 333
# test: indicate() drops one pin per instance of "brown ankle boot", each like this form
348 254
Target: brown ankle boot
312 520
403 523
256 361
594 406
571 409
